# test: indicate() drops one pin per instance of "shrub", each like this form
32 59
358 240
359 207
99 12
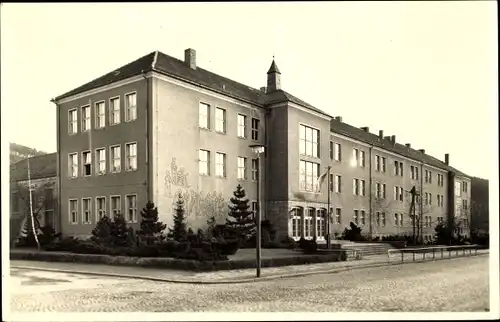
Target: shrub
229 247
151 231
308 246
88 248
240 215
119 231
178 232
101 234
353 233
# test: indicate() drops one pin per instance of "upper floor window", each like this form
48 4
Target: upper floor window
398 193
86 118
131 156
356 216
220 164
115 156
338 216
242 168
398 168
116 205
114 110
220 120
309 141
457 188
338 184
464 186
73 165
308 175
242 126
378 163
255 169
101 160
73 121
358 157
204 162
440 178
100 112
204 116
130 107
380 190
338 152
255 129
87 163
331 150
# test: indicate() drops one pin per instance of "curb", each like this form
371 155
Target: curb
229 281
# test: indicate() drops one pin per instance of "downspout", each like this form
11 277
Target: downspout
58 165
148 166
370 182
421 200
263 192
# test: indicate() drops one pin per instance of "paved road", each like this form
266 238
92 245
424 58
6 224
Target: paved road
460 284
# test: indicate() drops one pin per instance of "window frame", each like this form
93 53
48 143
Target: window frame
70 211
71 122
206 117
223 164
97 210
217 120
98 114
127 208
241 128
128 157
84 119
112 158
83 153
128 108
89 222
99 162
111 110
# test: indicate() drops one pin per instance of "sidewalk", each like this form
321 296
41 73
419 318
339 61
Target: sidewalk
217 277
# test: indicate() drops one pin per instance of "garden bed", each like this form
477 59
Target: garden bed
240 262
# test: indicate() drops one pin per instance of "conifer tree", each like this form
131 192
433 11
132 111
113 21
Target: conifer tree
179 231
101 233
119 231
240 217
151 229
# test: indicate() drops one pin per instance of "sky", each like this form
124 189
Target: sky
426 72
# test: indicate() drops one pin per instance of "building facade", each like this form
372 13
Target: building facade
480 205
43 173
159 127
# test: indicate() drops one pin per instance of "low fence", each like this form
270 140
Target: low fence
435 252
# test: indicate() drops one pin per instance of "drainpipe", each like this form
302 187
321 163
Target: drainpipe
149 182
421 204
263 192
58 165
370 185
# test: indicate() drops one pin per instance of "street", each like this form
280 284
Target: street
459 284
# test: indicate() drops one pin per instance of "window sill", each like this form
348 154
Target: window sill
130 121
73 223
220 132
131 170
204 174
205 128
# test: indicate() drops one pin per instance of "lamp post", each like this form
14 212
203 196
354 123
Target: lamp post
259 149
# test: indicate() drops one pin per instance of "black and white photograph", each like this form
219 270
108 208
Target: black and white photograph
193 161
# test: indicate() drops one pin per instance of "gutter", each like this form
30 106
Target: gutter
58 165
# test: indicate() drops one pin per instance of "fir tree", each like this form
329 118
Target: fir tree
101 234
151 229
179 231
119 231
240 217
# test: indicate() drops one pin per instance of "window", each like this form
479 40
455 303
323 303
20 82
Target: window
220 120
412 172
430 198
377 163
338 152
86 210
73 121
87 163
242 168
440 179
401 168
86 118
220 164
355 187
362 215
204 116
457 188
114 110
362 159
131 156
377 218
130 107
116 205
398 168
131 208
309 141
383 219
100 204
255 129
204 162
430 176
296 223
338 184
308 175
73 211
321 223
100 112
331 150
464 186
308 223
465 205
48 217
362 187
338 216
378 190
426 200
73 165
398 193
255 169
383 191
396 219
242 126
356 216
116 163
416 173
383 164
101 160
331 182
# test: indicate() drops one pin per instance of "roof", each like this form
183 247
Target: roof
43 166
373 139
273 68
176 68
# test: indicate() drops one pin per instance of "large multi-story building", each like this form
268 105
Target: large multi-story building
480 221
160 126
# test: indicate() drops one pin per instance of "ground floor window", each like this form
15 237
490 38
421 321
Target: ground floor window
296 222
308 223
321 223
131 203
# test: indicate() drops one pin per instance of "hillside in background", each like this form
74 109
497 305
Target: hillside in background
20 152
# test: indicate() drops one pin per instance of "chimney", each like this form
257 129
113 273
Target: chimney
422 151
190 58
393 139
263 89
447 159
338 118
408 145
365 128
381 134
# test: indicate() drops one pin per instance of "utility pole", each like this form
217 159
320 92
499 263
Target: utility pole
328 239
413 193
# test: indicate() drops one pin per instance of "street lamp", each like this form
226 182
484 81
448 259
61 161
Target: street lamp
259 149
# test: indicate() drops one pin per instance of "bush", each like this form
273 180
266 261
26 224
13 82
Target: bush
89 247
101 234
151 231
229 247
178 232
353 233
308 246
